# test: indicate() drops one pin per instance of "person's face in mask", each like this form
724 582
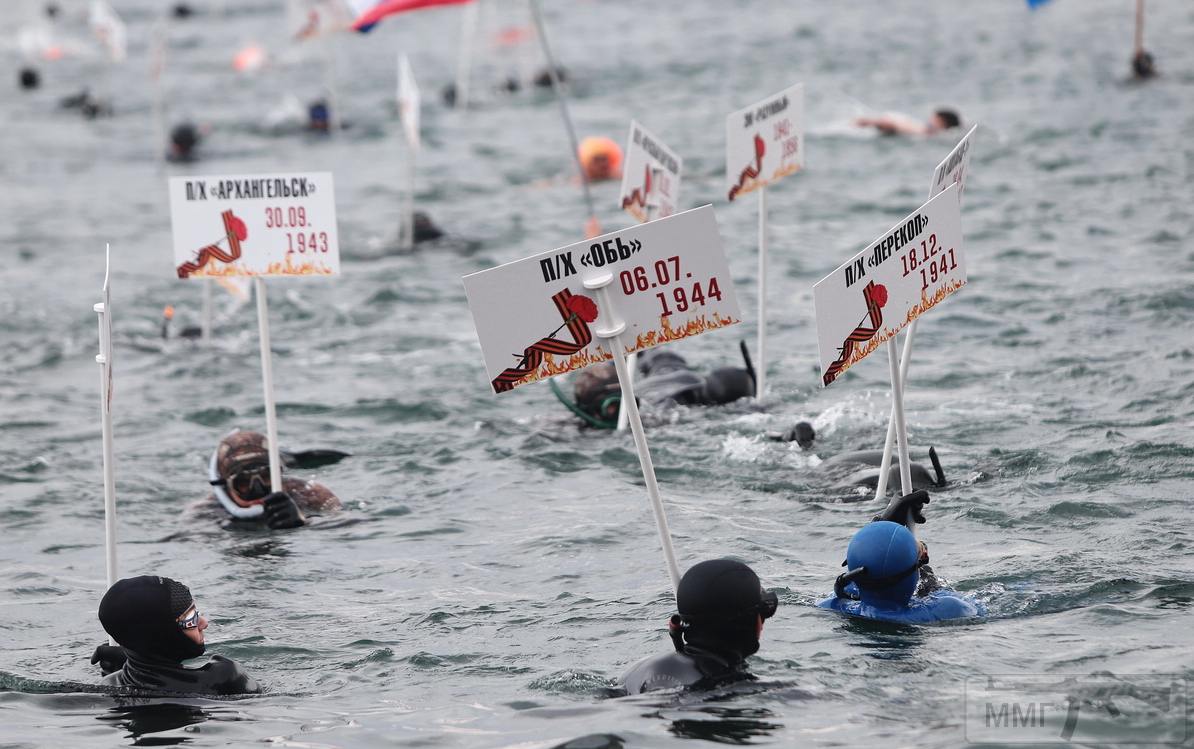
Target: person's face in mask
192 624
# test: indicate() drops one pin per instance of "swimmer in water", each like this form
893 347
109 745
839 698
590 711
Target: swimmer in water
939 121
888 577
184 139
868 464
239 476
664 379
29 79
1143 66
721 608
157 626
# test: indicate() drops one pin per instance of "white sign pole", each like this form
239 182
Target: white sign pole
464 60
103 312
267 378
329 71
557 89
1138 39
612 335
952 169
649 205
206 321
761 369
408 107
897 408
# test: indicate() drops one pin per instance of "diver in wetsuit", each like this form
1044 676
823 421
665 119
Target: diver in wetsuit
868 465
888 577
157 625
664 379
721 607
239 476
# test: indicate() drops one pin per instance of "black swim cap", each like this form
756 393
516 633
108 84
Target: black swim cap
141 613
719 603
29 78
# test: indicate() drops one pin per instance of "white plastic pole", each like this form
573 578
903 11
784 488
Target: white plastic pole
897 403
207 305
885 464
158 68
408 230
103 312
761 369
557 87
1139 36
267 378
329 72
613 337
649 206
464 59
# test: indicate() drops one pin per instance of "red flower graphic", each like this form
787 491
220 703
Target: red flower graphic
583 307
238 226
879 294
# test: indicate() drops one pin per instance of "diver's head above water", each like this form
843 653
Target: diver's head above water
153 616
722 607
240 468
883 560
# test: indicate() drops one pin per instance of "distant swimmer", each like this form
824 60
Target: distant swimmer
319 116
542 79
890 124
184 139
425 228
239 476
664 379
888 577
89 106
721 609
1143 66
28 79
601 158
867 465
157 626
802 434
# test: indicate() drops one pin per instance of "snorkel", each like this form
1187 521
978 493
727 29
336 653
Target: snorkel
219 487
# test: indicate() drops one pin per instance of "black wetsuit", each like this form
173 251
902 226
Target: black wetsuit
142 614
146 673
694 668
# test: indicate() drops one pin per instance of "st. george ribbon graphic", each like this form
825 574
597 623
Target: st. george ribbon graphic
751 172
234 231
638 197
577 311
875 296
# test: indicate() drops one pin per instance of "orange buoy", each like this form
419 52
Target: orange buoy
601 158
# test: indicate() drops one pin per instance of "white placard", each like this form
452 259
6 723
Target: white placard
408 101
953 168
651 175
765 142
254 225
896 279
535 319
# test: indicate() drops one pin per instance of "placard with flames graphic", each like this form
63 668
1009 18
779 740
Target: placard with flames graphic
651 175
765 142
896 279
254 225
535 318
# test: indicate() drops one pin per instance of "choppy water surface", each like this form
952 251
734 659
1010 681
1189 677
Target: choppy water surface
500 567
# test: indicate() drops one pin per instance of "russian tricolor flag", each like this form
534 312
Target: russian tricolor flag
369 12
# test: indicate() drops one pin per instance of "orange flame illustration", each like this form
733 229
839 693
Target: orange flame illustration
925 304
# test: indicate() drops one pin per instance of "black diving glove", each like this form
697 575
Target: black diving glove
281 512
907 506
111 658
